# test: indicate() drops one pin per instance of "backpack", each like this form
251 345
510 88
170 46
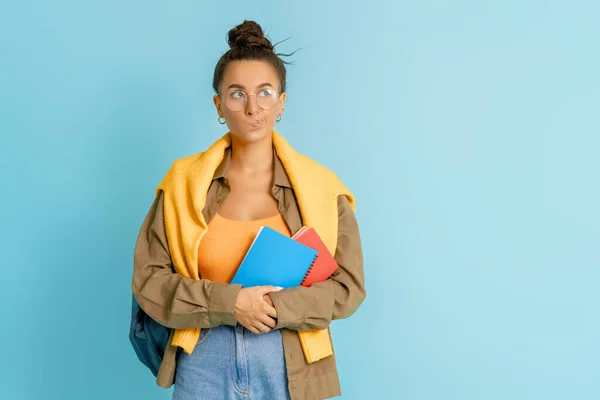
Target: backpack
148 338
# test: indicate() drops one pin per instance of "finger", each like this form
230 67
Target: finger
247 324
270 311
253 330
269 289
265 329
250 325
268 321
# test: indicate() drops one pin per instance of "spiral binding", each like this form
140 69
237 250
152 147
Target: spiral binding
309 269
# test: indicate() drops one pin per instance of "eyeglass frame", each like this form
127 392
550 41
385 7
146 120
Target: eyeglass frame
247 97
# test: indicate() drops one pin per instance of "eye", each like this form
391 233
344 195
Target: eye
266 93
237 95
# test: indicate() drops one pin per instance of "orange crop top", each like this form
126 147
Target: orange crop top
226 242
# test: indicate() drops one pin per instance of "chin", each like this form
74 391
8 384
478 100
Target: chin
252 135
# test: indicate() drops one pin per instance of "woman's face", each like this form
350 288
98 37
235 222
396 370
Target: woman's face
250 82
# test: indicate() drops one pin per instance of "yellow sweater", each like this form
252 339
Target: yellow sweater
185 187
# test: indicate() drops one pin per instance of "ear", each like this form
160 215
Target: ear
217 102
282 98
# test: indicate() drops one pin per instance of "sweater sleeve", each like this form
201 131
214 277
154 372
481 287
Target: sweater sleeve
314 307
169 298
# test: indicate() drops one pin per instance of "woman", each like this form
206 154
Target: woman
228 341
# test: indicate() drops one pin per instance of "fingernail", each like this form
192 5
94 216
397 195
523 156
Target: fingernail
278 287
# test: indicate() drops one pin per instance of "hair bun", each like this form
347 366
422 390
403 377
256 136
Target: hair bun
248 34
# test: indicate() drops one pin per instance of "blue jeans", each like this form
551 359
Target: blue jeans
231 363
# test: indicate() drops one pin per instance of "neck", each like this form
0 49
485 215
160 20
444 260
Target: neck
252 157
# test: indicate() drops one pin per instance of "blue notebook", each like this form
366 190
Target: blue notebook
274 259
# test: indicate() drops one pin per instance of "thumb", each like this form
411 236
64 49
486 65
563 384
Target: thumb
269 289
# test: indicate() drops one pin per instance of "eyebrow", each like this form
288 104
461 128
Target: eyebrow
238 86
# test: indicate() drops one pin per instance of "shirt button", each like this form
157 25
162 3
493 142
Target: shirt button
219 200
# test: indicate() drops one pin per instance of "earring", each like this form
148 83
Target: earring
278 119
223 120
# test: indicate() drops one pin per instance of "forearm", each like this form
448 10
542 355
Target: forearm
179 302
314 307
169 298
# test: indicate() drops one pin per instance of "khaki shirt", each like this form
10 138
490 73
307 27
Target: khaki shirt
179 302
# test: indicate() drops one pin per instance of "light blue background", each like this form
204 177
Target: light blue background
468 131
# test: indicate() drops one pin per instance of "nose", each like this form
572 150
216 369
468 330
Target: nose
251 105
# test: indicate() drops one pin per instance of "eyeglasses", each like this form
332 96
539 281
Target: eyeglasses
265 99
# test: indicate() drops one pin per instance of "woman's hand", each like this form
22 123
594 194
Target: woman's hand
254 310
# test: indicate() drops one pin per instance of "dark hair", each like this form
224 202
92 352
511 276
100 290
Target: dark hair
247 42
